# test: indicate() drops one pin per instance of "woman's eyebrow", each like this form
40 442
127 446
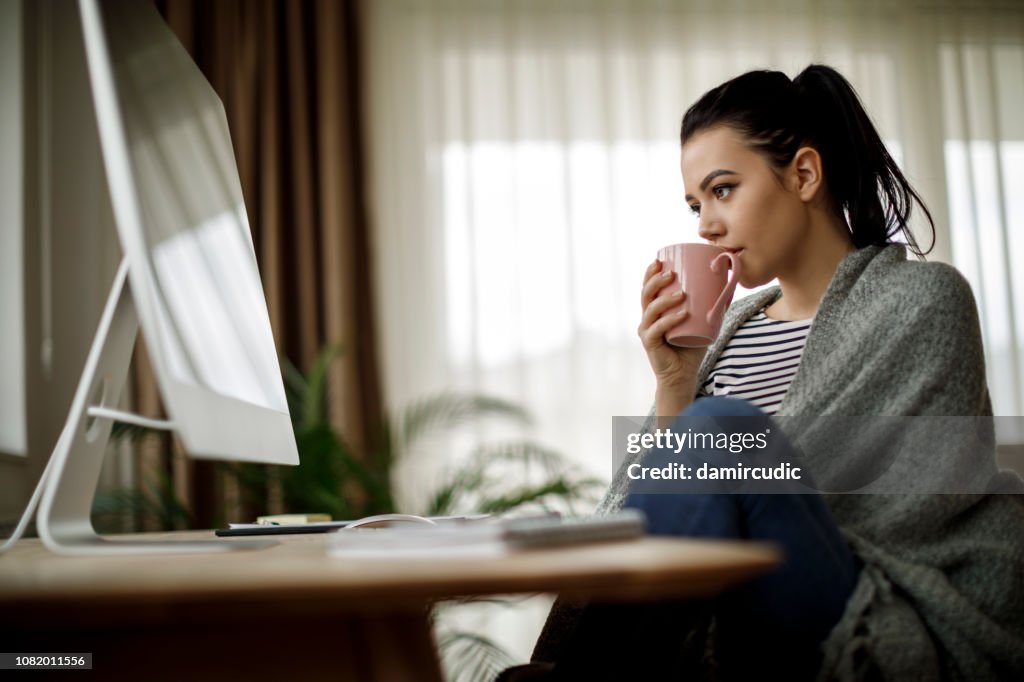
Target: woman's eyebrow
709 177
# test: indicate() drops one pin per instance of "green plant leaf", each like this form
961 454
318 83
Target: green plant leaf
470 657
447 410
559 488
482 482
295 387
133 432
446 499
315 400
332 478
156 501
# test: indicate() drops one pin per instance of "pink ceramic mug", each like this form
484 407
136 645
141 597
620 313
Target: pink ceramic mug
708 286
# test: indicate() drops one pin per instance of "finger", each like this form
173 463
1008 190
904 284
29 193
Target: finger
651 271
654 335
661 306
653 285
665 322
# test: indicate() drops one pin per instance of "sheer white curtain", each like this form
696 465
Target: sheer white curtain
984 157
524 167
524 170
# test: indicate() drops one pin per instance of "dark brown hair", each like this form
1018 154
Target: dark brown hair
819 108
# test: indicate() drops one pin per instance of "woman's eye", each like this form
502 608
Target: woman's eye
722 191
695 209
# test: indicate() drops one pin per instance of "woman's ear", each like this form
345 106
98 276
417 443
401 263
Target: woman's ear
806 173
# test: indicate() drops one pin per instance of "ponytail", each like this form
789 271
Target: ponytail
819 108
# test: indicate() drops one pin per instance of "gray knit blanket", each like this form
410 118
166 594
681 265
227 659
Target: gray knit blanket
941 592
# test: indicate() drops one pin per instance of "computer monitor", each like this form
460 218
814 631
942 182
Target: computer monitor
189 278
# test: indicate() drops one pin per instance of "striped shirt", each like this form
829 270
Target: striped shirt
759 361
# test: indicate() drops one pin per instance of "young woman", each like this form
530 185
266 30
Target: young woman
792 176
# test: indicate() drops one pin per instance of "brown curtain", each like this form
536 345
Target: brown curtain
287 72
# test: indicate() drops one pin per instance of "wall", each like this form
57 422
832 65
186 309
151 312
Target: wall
68 243
12 346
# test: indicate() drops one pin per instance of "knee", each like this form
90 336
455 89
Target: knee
718 406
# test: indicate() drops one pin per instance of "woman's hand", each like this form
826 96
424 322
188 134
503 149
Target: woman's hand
675 369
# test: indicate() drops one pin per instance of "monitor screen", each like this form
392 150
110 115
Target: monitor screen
182 222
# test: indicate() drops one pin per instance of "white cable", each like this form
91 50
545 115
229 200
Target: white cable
129 418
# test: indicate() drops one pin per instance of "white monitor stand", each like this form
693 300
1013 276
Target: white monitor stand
68 484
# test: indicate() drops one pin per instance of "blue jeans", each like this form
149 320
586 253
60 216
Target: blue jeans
773 624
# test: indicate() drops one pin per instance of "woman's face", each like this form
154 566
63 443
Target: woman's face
743 204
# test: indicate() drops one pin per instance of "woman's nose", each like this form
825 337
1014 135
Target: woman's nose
709 228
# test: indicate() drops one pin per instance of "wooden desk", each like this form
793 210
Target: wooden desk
292 612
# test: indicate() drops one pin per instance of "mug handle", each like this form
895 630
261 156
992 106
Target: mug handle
730 288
